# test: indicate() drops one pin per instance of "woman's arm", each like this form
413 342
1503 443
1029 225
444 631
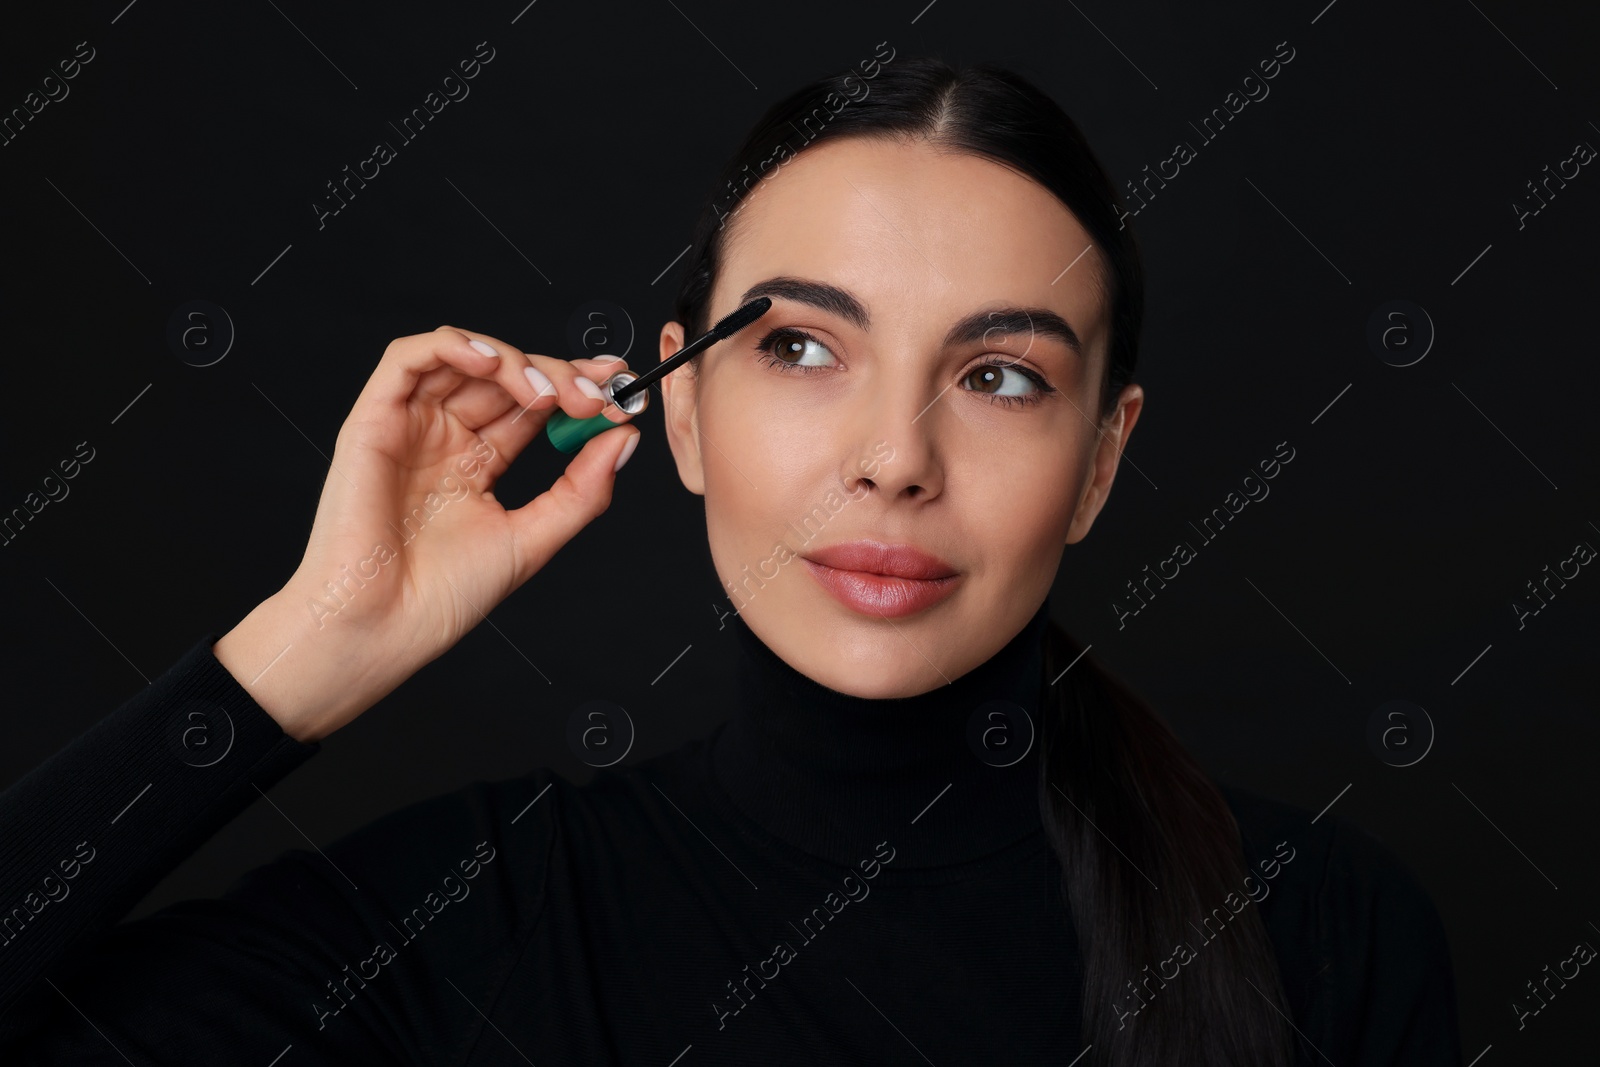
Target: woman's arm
409 550
330 954
86 834
1361 950
1393 987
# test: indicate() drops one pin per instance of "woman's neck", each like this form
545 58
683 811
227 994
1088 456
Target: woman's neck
941 776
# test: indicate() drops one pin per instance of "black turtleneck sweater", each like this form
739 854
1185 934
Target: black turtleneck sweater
825 879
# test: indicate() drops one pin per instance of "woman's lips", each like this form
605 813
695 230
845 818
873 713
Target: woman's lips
881 594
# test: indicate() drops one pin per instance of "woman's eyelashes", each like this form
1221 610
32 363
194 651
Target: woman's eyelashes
994 374
790 349
794 344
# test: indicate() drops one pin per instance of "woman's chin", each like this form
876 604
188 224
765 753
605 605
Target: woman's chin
872 660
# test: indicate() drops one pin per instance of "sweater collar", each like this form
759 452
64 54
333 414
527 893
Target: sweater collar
834 775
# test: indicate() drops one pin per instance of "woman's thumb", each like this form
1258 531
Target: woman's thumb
551 519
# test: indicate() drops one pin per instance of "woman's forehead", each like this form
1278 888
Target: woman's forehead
917 233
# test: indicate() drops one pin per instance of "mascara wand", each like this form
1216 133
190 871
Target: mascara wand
630 391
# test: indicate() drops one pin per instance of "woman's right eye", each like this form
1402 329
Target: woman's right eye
790 349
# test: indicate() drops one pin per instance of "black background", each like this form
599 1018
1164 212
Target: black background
1382 166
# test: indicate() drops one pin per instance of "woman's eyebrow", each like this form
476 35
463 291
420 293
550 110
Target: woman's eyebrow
1034 321
829 298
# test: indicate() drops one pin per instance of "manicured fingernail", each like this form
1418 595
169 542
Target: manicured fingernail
605 359
541 384
486 349
587 387
627 450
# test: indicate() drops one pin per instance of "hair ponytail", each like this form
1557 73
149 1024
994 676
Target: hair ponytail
1148 849
1120 798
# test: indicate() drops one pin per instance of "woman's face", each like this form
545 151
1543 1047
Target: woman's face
871 424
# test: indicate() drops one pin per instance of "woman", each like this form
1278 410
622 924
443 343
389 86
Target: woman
875 859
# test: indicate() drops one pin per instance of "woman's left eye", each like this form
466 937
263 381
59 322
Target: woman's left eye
1025 387
789 349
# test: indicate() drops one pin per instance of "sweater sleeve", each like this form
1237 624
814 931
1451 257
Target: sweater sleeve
91 830
326 955
1361 950
1395 997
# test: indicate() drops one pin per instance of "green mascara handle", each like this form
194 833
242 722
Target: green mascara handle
568 434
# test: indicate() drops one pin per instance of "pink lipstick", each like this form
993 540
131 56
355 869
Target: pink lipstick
884 580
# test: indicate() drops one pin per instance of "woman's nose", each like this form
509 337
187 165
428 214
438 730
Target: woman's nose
897 452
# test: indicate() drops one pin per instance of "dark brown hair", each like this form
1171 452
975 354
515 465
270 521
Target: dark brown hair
1148 846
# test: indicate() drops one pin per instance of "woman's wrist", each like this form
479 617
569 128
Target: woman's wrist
312 679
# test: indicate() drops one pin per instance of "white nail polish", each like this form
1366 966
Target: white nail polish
588 388
486 349
541 385
605 359
627 450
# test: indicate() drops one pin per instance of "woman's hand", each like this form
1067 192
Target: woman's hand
410 549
